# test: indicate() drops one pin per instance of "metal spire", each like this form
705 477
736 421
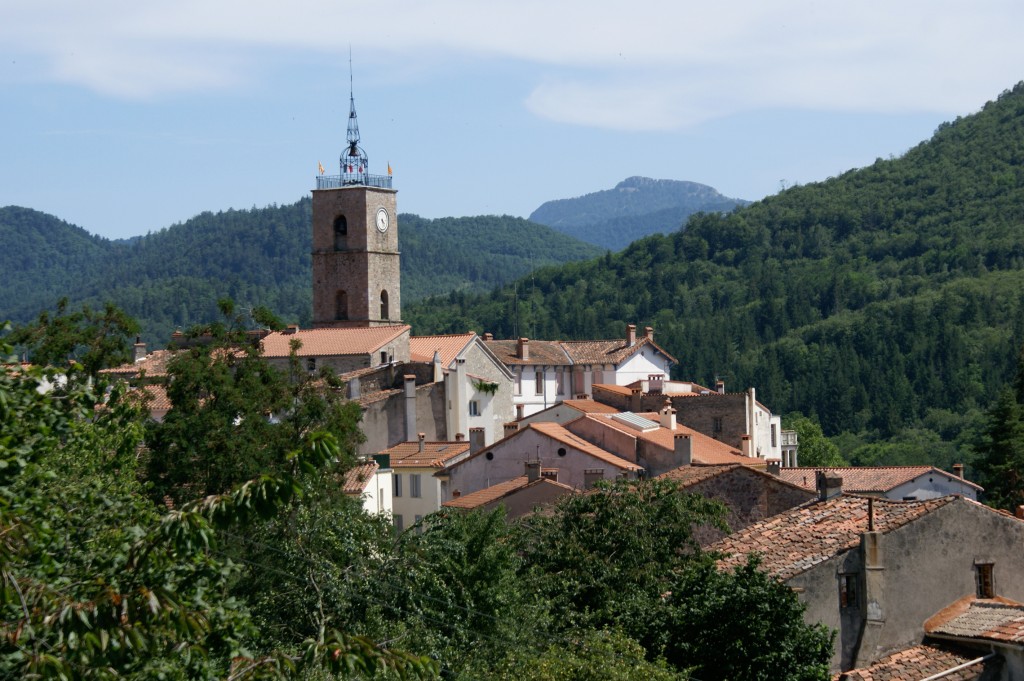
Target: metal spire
354 163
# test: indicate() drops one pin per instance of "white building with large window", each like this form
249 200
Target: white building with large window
415 490
548 372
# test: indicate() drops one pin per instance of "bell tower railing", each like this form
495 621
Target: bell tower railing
353 180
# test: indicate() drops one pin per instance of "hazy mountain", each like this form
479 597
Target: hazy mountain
635 208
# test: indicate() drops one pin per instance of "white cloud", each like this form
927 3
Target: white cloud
649 65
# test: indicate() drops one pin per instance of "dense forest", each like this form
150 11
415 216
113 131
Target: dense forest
887 302
173 278
634 208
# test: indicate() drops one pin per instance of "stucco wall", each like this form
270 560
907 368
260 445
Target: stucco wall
928 564
495 410
931 486
607 438
383 421
525 500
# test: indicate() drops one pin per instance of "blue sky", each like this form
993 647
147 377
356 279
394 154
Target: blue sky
126 117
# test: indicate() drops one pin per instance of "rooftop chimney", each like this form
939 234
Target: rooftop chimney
460 437
291 328
476 439
649 333
636 399
720 387
746 445
410 405
668 415
630 335
139 350
1020 512
511 427
829 485
683 447
958 470
423 441
532 470
523 348
774 467
488 336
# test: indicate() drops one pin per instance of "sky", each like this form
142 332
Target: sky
127 117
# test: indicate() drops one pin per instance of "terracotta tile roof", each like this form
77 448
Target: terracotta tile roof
156 396
703 449
421 348
434 454
867 479
612 388
919 662
798 539
561 434
358 477
547 353
154 364
500 491
332 342
608 351
590 407
998 619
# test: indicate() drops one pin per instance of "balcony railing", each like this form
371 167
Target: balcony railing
353 180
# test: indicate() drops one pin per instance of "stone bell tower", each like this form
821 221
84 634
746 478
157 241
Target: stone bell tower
356 278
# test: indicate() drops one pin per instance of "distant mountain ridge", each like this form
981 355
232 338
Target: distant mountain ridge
173 278
634 208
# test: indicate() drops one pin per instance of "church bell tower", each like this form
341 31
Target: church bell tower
356 278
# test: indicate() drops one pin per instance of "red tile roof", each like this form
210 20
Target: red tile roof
612 388
558 432
546 353
1000 620
590 407
608 351
688 476
370 398
919 662
434 454
154 364
867 479
358 477
421 348
332 342
500 491
798 539
703 449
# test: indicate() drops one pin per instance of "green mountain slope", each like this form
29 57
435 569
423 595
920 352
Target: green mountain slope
888 298
633 209
173 278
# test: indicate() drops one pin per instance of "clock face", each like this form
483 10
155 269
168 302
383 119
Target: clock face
383 220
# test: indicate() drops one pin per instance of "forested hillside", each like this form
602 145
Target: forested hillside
174 277
888 302
634 208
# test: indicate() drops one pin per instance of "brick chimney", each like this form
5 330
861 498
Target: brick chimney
532 471
523 348
511 427
460 437
476 439
423 441
139 349
630 335
488 336
683 447
649 333
958 470
829 485
668 415
720 387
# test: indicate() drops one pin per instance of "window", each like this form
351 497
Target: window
474 408
399 525
311 364
397 487
716 424
340 233
383 356
414 486
560 381
986 583
848 590
774 438
539 378
341 305
517 389
561 451
384 305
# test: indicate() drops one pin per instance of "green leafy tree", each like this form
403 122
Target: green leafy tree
815 450
1000 461
95 338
